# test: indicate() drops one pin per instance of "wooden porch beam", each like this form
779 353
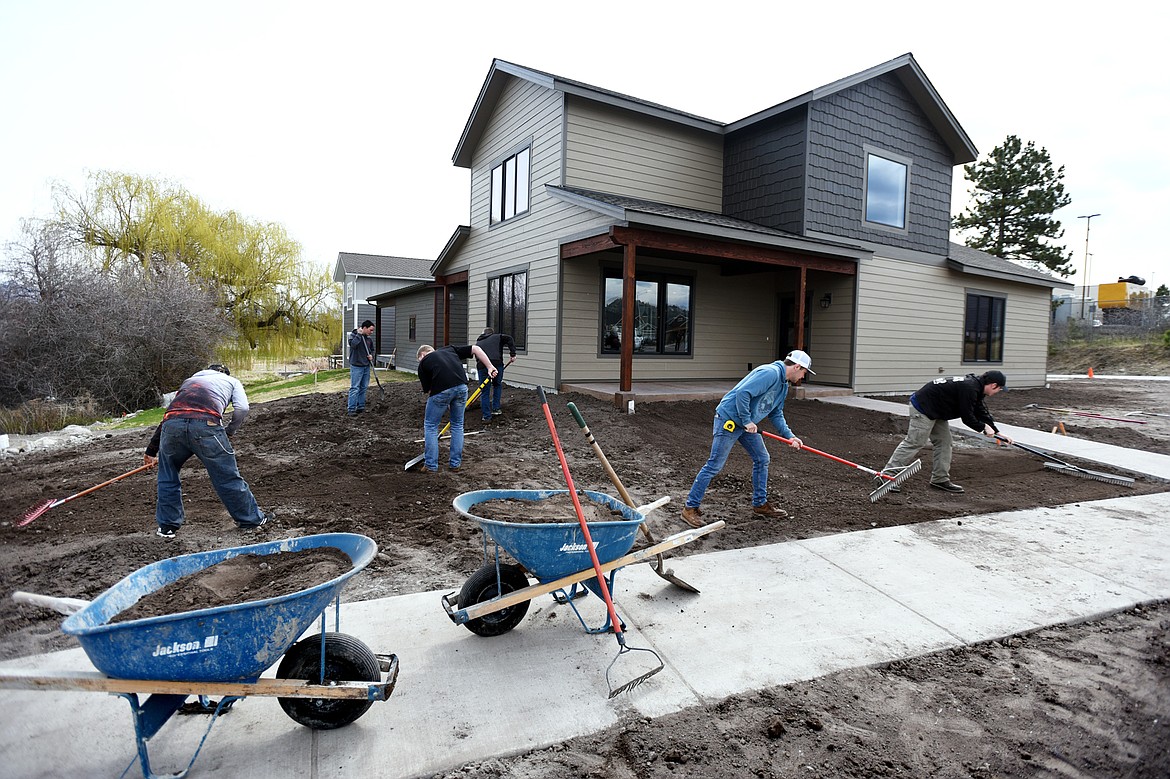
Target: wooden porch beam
650 239
592 245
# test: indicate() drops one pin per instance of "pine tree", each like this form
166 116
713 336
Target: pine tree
1015 193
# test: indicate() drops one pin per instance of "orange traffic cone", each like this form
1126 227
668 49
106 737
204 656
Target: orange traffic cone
1090 373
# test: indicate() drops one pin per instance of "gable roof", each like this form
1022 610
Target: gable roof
380 266
908 72
905 68
967 260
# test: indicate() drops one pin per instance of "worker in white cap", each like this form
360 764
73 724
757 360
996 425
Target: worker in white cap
759 395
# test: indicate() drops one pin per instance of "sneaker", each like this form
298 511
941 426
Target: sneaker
265 516
165 532
497 412
692 516
768 510
947 486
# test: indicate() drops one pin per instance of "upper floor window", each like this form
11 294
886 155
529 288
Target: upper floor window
510 187
886 180
349 285
983 329
508 306
662 314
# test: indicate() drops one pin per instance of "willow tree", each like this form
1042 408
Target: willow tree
253 270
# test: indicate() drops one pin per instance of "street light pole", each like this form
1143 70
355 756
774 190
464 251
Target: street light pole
1085 285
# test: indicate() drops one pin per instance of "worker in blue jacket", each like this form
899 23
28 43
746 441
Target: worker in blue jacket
759 395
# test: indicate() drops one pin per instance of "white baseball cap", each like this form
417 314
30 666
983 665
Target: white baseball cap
802 359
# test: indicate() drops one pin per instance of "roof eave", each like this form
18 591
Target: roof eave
1035 281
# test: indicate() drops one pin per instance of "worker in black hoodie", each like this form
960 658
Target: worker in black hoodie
493 344
931 409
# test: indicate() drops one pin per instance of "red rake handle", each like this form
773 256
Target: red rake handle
34 514
829 456
552 428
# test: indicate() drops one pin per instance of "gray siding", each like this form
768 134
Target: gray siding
616 151
880 113
525 113
764 172
421 306
910 319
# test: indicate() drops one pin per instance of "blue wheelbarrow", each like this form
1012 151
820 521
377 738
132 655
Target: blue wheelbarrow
495 598
325 681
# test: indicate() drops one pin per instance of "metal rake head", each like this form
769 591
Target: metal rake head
900 475
35 512
1108 478
615 691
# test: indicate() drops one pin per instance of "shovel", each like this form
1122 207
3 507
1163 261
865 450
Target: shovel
416 460
659 563
888 480
374 370
1063 467
615 623
44 506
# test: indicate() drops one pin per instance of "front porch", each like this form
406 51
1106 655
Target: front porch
666 391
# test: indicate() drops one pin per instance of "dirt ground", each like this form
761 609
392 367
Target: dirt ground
1084 700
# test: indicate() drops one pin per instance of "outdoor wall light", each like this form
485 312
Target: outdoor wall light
827 300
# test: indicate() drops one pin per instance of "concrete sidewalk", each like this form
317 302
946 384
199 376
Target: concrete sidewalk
766 616
1149 464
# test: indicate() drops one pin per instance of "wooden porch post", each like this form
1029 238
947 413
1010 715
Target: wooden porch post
800 295
629 291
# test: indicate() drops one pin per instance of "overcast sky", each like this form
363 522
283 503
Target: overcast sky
338 120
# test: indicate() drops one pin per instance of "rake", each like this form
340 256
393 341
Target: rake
614 621
45 505
1074 470
890 479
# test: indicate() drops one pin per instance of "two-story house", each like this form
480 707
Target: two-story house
627 242
364 276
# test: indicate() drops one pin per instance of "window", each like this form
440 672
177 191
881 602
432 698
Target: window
508 306
349 285
662 314
510 187
885 190
983 332
413 331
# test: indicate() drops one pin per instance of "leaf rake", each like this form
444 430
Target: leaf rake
45 505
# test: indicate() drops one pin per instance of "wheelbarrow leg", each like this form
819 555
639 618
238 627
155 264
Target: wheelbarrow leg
151 715
592 586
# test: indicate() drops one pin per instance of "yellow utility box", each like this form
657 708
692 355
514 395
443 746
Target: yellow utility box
1116 295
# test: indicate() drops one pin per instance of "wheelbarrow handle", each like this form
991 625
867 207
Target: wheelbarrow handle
60 605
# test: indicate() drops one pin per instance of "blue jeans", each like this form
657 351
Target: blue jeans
453 401
359 381
208 441
721 443
489 404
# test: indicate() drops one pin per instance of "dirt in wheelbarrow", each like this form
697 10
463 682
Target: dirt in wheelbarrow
1085 696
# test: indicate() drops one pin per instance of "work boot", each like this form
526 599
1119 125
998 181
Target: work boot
768 510
947 486
692 516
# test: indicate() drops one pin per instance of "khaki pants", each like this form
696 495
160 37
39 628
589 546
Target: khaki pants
923 429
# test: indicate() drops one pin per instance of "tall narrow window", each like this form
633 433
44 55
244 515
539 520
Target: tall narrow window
885 191
510 187
662 314
413 329
508 306
983 331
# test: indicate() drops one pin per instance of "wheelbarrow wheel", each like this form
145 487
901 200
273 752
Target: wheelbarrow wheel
346 660
482 586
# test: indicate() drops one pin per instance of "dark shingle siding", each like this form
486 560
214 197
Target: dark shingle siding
763 169
881 113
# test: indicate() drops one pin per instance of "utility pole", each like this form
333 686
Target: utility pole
1085 285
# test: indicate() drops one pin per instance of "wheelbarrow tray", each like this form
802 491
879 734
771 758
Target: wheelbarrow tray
236 642
552 550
